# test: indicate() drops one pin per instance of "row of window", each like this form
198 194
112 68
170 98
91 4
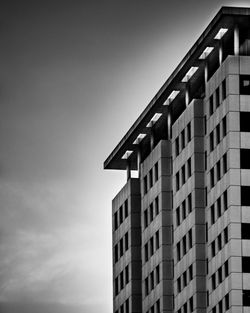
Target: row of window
151 246
183 174
213 105
151 212
121 247
152 280
184 209
218 134
222 306
183 139
121 214
122 280
151 178
221 274
218 171
186 243
185 278
124 308
155 308
187 307
218 206
221 240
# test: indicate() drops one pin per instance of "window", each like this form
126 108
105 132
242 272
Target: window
178 251
224 126
207 298
156 206
211 105
220 307
227 301
183 178
212 177
219 242
151 212
220 275
190 203
211 139
217 134
245 158
218 170
245 84
116 220
205 160
121 309
146 252
158 306
126 274
205 124
183 210
226 235
213 282
213 248
184 279
126 209
189 132
145 185
179 284
217 97
212 214
121 214
185 308
177 148
126 241
218 207
183 139
127 306
121 281
145 218
245 264
184 241
225 200
224 160
245 195
224 90
146 286
152 280
157 240
246 297
245 231
151 246
190 239
157 274
116 253
206 237
214 309
116 286
150 178
178 220
189 169
190 270
121 247
177 181
244 121
156 172
226 270
191 304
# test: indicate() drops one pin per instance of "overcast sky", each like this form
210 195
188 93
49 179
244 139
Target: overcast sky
74 76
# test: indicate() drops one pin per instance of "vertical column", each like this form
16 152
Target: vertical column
236 40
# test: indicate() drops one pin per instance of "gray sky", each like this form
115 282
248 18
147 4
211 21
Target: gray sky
74 77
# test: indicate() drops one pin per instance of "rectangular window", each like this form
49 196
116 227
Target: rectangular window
225 200
126 209
184 245
178 220
177 148
150 178
246 264
217 97
205 124
213 279
220 275
213 248
156 206
226 269
245 158
224 160
151 212
126 241
157 240
121 247
214 309
157 274
190 203
116 286
245 84
218 202
156 169
158 306
206 232
220 307
191 304
127 306
183 210
246 297
212 215
183 139
219 242
151 246
116 253
146 286
224 126
126 275
211 105
244 121
177 177
190 270
218 170
189 167
121 281
146 218
183 178
211 140
190 239
189 132
227 301
121 214
116 220
245 195
226 235
224 89
184 279
185 308
179 284
212 177
205 160
178 249
152 280
146 252
217 130
245 231
145 185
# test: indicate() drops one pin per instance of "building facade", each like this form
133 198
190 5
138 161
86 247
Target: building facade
181 230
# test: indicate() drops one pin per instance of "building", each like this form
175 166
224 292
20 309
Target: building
181 230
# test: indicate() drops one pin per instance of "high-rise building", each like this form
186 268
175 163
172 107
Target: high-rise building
181 230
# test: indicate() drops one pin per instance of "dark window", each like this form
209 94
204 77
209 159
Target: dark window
183 178
205 157
246 264
245 195
127 306
226 235
126 209
244 121
146 286
189 169
190 238
178 251
184 279
121 309
217 134
184 241
177 148
145 185
224 89
212 215
190 203
245 84
213 248
158 306
121 247
224 126
183 139
219 242
211 105
220 275
157 274
152 280
121 281
205 124
116 286
152 309
178 221
185 308
220 307
116 253
207 298
156 206
211 139
120 214
157 240
126 274
191 304
156 172
179 284
213 282
245 158
245 231
151 246
150 178
217 97
226 270
190 270
206 233
218 170
227 301
218 207
145 218
225 200
146 252
126 241
116 220
151 212
246 297
184 210
224 160
214 309
212 177
189 132
177 181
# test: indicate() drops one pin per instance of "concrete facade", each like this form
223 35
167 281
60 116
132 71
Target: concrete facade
181 230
